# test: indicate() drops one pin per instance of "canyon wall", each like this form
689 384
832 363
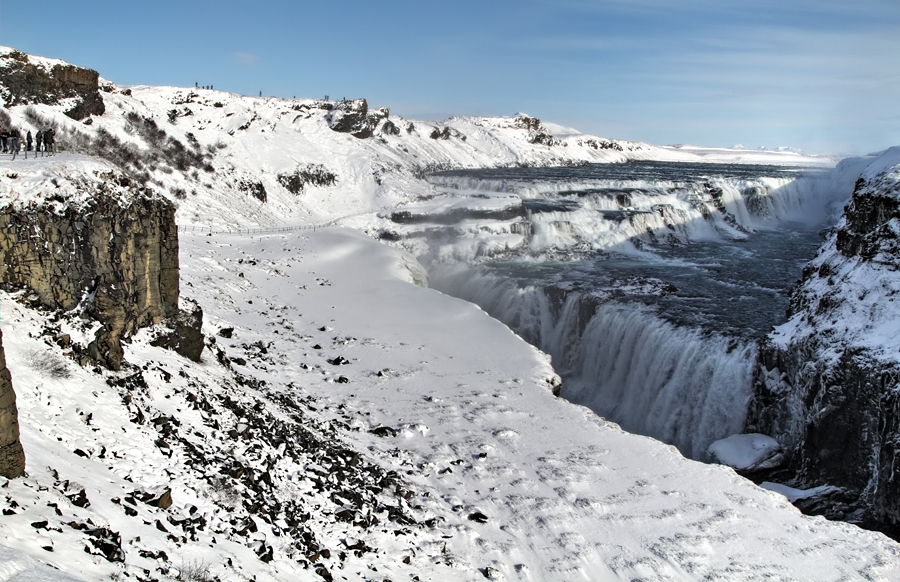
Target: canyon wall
117 262
828 387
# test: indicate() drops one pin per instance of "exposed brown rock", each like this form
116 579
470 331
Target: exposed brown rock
120 263
185 336
29 82
12 457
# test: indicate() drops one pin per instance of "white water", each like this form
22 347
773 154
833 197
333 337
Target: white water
673 383
659 367
678 384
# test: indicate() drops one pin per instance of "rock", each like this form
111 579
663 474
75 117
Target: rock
390 128
226 332
385 431
119 260
185 336
354 117
29 82
478 517
12 456
79 499
163 499
825 388
107 543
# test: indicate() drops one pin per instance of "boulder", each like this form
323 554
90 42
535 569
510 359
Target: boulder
184 335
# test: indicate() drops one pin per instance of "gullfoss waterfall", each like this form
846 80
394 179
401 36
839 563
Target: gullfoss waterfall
648 283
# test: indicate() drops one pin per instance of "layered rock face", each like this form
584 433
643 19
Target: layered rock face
12 457
37 82
829 383
118 262
355 118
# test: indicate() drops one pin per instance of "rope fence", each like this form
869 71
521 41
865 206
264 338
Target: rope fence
251 231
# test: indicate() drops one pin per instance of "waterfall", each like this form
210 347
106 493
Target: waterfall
677 384
681 385
620 351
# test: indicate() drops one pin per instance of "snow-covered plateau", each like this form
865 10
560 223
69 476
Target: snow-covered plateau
343 420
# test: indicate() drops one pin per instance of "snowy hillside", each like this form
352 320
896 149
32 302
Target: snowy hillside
232 161
344 422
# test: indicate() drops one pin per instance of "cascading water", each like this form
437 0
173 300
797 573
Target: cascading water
648 283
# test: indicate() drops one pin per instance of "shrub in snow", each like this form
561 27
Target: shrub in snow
50 363
195 571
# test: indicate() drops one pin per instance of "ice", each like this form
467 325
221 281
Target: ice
797 494
747 452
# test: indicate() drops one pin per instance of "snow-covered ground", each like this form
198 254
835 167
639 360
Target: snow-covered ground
355 425
519 484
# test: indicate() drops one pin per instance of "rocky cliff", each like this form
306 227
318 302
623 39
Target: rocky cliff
355 117
28 80
115 259
829 382
12 457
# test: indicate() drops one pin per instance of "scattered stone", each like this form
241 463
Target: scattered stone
163 499
107 543
79 499
478 517
385 431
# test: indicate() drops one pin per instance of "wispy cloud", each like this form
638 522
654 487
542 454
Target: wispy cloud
246 59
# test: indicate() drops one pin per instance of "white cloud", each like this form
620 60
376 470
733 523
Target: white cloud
244 58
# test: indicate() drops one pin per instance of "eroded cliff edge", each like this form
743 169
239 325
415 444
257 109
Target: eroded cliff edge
102 246
828 387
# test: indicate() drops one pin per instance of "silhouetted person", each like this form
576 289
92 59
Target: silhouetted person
14 142
39 143
50 141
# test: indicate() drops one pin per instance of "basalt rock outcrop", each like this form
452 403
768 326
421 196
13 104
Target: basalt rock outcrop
828 387
117 262
355 117
12 457
36 82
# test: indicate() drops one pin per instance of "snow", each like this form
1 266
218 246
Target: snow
506 480
863 312
797 494
747 452
566 494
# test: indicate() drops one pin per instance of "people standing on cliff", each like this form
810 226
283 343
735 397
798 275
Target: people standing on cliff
38 142
50 141
28 141
14 142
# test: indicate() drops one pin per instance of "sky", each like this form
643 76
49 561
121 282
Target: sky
822 76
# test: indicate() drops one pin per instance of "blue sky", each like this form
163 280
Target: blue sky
823 76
